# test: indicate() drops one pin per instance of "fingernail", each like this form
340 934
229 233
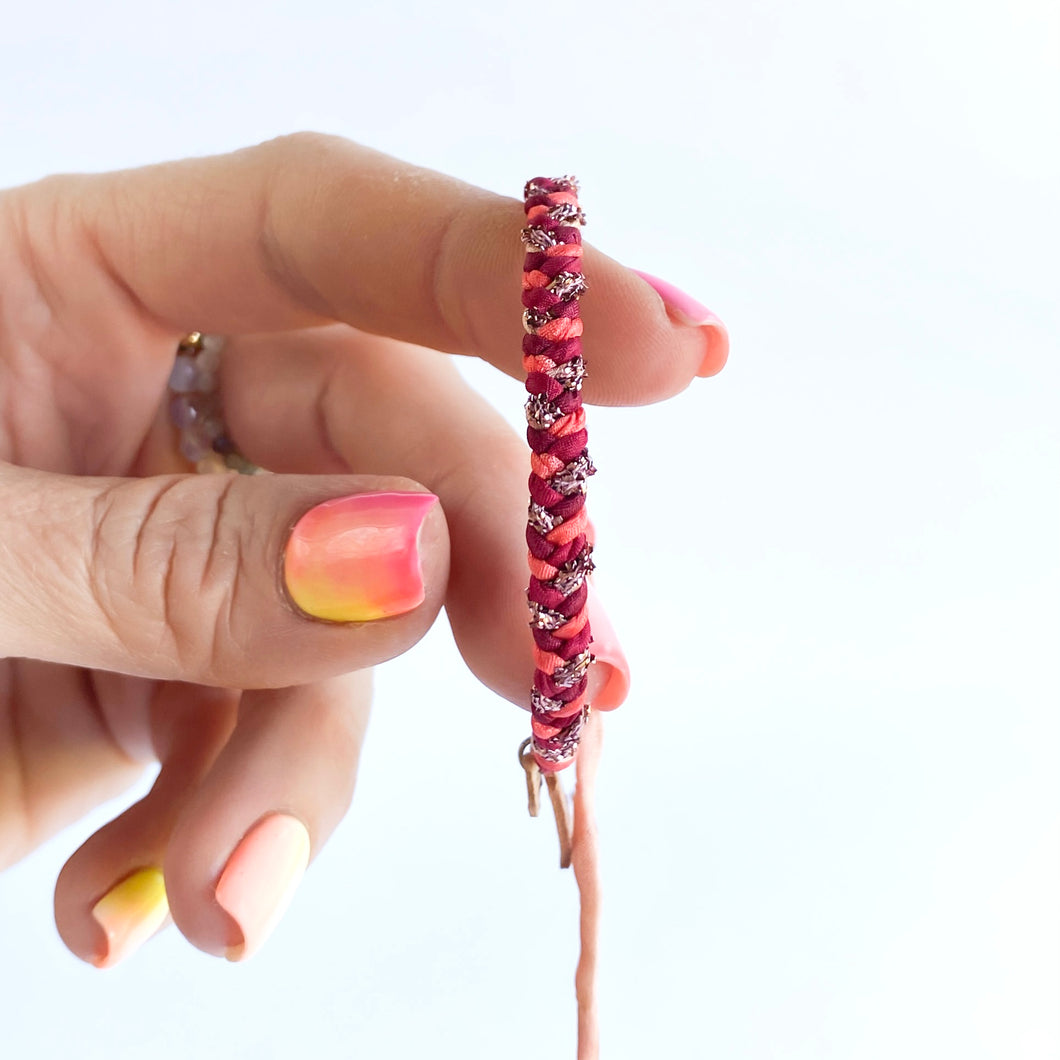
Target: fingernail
260 879
356 559
130 913
688 311
609 687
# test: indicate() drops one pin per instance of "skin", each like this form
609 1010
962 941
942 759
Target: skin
339 275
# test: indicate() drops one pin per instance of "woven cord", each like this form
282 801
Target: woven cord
560 553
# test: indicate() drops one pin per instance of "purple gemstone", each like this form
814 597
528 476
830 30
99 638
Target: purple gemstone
205 404
181 412
182 379
197 438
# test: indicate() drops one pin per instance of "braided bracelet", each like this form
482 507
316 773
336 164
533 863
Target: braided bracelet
195 408
560 554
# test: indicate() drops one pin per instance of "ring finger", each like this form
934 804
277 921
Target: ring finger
239 808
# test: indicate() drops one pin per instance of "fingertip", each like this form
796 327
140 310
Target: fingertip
613 687
359 558
717 355
271 799
609 680
128 915
689 312
260 879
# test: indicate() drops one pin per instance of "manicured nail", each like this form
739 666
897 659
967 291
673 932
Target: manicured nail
610 688
260 879
130 913
688 311
356 559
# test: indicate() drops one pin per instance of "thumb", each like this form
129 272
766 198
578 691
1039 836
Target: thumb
233 580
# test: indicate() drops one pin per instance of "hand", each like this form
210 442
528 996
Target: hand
143 612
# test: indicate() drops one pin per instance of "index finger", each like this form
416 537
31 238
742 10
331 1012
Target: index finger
309 228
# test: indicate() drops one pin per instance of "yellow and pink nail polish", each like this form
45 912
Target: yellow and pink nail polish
130 913
260 878
357 558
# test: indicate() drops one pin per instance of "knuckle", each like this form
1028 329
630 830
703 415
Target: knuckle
290 166
102 576
301 148
309 139
170 596
443 279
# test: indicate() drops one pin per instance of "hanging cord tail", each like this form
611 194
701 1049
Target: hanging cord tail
561 803
585 858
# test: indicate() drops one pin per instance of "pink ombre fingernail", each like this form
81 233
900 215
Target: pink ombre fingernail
260 879
693 313
609 653
356 559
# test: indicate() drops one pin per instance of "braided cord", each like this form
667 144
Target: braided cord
560 554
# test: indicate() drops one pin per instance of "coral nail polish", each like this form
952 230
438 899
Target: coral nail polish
260 878
356 559
688 311
130 913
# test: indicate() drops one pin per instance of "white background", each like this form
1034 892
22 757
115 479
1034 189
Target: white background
830 806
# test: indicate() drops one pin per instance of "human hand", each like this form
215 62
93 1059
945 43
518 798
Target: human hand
143 612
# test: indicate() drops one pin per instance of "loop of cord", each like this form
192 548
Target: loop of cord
560 554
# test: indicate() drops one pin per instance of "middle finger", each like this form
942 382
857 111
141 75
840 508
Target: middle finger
334 399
